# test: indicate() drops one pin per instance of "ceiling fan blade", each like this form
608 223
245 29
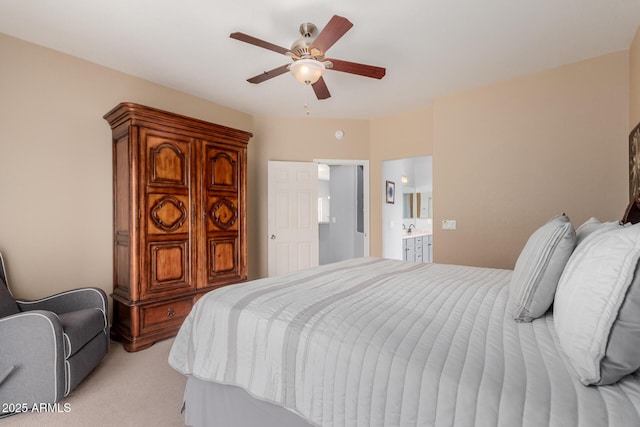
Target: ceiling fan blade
331 33
359 69
321 89
257 42
269 74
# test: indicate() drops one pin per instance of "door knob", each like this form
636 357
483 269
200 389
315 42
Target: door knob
273 237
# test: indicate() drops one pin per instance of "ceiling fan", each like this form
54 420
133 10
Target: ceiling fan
308 54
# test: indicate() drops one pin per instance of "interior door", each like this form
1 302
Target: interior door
292 216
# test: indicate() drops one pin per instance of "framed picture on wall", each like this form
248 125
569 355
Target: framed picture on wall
634 162
391 192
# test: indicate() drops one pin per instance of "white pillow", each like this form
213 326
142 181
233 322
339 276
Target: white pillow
593 224
538 268
597 328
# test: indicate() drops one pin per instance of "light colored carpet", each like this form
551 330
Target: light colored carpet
126 389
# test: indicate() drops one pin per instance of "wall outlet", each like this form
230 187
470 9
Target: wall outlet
448 224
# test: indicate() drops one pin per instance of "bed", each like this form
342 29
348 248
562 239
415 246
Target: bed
378 342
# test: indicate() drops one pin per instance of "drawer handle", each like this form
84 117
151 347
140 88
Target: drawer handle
170 312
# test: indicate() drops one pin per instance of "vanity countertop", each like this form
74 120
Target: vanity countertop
416 233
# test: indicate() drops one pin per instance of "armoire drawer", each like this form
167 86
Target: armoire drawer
153 317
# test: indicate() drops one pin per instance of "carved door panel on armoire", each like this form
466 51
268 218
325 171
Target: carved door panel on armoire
167 228
224 214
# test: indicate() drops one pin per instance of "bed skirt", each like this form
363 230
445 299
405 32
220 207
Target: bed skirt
209 404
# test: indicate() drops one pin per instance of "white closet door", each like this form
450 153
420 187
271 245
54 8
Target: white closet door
293 216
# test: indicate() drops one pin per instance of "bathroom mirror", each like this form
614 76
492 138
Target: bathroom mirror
408 204
424 205
417 205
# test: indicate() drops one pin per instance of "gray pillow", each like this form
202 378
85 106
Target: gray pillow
539 267
592 225
597 306
623 349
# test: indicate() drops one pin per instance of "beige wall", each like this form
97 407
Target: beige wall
403 135
634 81
566 128
55 163
407 134
509 156
292 140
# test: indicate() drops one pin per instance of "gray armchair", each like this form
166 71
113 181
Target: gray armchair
48 346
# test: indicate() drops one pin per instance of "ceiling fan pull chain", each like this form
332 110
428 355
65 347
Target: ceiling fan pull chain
306 103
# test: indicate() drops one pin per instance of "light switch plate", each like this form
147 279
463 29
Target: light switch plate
449 224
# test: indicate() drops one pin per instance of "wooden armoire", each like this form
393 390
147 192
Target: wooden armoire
179 216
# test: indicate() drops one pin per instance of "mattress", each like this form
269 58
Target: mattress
376 342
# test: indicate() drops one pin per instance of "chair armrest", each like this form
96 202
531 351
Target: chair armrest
32 356
73 300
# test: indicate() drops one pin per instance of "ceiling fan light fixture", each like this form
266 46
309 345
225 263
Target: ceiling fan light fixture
307 71
308 55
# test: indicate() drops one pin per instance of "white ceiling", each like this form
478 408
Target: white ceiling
429 47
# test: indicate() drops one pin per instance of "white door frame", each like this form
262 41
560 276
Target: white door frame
365 190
